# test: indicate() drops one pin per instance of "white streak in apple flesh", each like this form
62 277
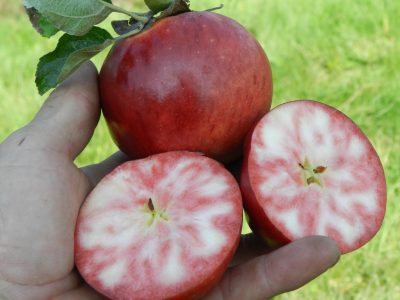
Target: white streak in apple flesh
348 201
113 274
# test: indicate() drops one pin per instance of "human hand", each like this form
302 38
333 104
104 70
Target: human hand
42 191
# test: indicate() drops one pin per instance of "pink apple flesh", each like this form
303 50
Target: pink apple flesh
309 170
164 227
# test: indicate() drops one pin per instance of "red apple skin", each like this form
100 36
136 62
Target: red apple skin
259 221
197 81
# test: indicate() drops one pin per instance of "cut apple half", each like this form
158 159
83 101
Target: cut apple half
309 170
164 227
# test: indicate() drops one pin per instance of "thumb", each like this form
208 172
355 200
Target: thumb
66 121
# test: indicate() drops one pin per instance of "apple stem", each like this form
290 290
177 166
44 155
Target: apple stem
138 17
130 33
150 205
215 8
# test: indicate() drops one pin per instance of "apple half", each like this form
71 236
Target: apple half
164 227
309 170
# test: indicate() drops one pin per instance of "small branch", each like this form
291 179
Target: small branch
130 33
215 8
137 17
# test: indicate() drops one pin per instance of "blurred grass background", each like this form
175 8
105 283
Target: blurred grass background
343 53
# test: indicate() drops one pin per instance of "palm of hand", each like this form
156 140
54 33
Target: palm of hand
42 191
45 190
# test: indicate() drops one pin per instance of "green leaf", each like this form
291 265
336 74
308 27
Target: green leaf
70 53
40 23
47 29
75 17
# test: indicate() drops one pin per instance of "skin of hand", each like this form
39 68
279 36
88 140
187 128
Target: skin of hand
42 190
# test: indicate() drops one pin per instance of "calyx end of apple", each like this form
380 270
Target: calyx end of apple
150 205
311 174
154 213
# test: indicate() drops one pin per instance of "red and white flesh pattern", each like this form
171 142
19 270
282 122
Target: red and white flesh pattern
309 170
164 227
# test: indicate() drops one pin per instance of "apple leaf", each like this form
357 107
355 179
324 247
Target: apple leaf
75 17
70 53
40 23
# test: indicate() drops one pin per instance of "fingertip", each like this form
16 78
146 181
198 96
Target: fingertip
325 247
85 71
79 88
333 249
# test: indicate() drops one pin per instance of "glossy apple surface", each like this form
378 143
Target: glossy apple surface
197 81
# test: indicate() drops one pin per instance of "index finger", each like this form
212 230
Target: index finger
282 270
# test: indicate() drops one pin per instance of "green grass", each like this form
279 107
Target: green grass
343 53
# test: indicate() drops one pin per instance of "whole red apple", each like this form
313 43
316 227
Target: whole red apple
197 81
